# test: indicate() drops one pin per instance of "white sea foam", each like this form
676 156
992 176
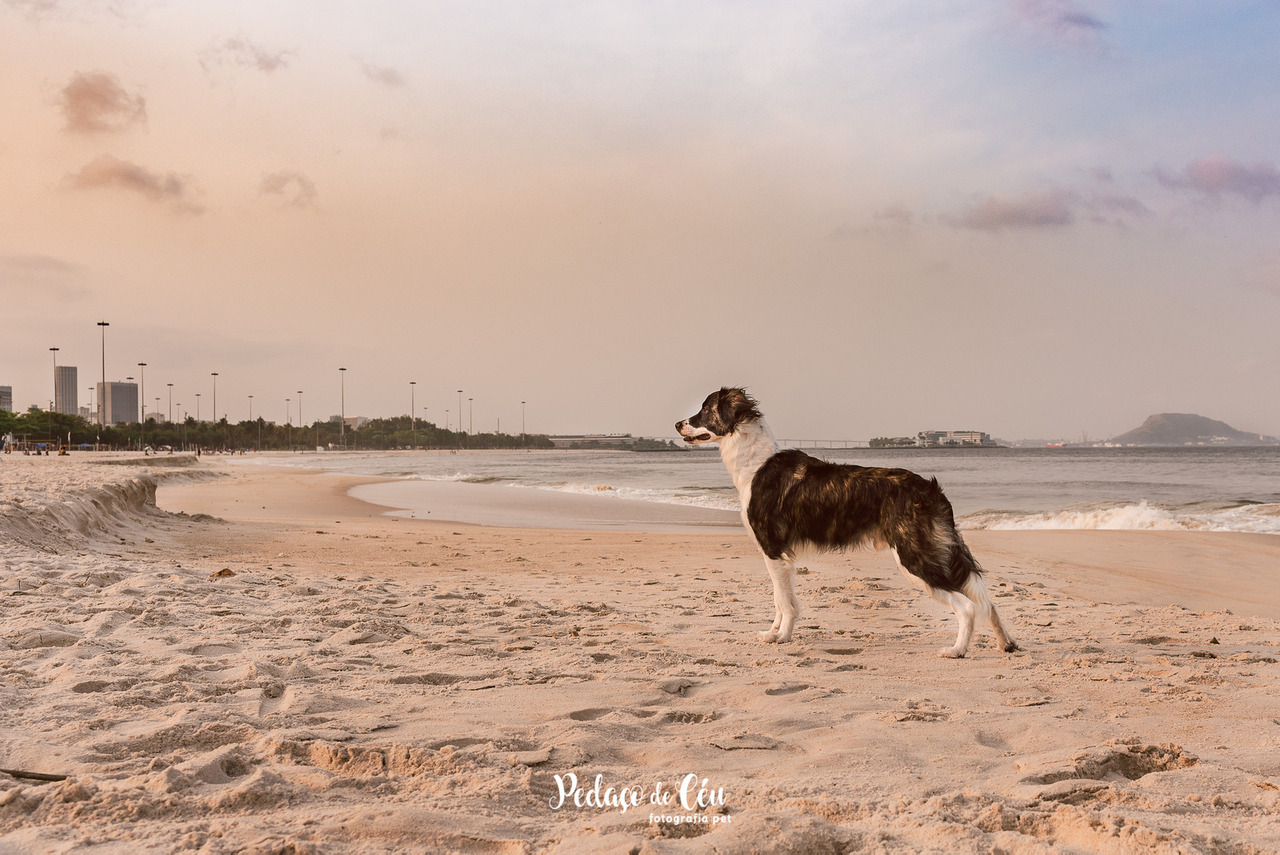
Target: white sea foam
459 478
688 498
1139 516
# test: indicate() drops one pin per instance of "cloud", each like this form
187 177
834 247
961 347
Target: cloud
95 102
1119 206
895 215
81 10
33 8
41 277
110 172
385 76
1060 17
294 188
1216 176
239 51
1031 211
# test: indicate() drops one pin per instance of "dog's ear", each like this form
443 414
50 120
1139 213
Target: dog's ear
735 406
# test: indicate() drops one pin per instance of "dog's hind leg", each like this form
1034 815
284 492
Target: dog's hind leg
976 590
965 611
786 607
964 608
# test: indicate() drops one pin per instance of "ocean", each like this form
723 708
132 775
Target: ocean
1194 489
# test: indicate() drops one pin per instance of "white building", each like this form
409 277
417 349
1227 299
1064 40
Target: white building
65 384
953 439
119 403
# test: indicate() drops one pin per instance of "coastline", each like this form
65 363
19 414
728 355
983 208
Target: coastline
301 671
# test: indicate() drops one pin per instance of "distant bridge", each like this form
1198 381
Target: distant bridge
824 443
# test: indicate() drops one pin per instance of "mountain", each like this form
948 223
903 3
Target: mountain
1187 429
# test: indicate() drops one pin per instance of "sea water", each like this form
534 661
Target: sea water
1202 489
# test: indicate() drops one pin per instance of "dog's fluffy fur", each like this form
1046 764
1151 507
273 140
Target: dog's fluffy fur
793 502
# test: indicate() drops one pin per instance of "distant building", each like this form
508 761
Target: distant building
6 398
119 403
65 384
954 439
353 422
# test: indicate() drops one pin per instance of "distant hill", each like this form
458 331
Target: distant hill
1187 429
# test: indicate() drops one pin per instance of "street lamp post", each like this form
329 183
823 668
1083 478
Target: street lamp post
342 408
170 385
142 399
301 423
102 404
459 418
523 439
215 397
413 414
471 416
259 423
197 408
55 378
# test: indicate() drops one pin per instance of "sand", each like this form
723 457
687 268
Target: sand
266 664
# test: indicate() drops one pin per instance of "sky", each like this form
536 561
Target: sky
1034 218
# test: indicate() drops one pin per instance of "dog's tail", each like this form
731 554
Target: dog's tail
928 544
959 561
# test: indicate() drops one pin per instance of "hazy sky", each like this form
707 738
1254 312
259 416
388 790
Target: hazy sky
1035 218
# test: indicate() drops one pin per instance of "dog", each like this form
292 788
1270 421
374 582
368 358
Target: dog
794 503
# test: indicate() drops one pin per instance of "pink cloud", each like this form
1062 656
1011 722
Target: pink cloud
294 188
95 102
1216 176
108 172
239 51
995 213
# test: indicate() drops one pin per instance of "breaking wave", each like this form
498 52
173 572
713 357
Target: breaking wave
1139 516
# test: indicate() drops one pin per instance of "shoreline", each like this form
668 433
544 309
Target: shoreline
298 671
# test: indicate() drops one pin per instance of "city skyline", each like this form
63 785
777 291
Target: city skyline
1034 218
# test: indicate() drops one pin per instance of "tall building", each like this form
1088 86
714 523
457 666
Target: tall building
119 402
65 383
6 398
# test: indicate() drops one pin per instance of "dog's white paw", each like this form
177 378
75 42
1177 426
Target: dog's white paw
770 636
951 653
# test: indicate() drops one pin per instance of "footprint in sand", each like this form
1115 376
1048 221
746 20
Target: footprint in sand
688 717
427 679
1114 762
787 689
589 714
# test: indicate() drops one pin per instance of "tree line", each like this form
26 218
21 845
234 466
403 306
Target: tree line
60 430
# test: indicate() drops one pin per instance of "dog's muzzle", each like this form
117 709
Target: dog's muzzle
692 435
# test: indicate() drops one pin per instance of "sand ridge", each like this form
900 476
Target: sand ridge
305 674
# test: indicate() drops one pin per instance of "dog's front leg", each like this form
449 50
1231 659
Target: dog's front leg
786 608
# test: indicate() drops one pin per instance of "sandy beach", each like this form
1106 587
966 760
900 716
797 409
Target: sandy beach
249 659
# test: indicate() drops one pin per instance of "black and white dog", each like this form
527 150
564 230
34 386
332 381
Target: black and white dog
792 503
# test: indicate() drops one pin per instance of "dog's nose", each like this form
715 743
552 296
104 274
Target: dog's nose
679 424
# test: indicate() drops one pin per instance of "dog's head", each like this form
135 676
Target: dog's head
721 414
